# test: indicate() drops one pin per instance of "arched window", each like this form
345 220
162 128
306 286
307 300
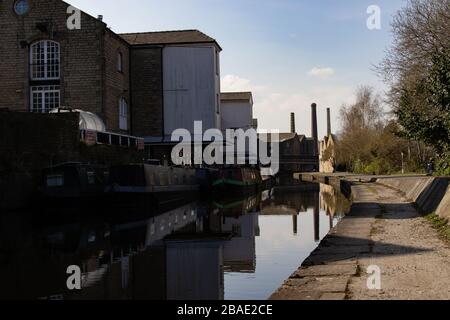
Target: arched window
119 62
123 114
44 60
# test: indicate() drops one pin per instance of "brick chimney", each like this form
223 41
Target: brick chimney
293 130
314 130
328 122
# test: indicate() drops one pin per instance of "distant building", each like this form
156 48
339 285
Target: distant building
298 153
327 149
237 110
255 124
327 154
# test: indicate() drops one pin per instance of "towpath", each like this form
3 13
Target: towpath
383 230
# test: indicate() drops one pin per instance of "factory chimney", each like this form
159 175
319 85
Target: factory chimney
314 133
293 123
328 122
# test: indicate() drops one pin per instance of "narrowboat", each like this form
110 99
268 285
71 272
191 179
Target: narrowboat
161 184
73 180
241 180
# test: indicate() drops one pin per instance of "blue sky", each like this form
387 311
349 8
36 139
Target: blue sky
273 47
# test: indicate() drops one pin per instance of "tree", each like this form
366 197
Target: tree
362 123
372 143
417 69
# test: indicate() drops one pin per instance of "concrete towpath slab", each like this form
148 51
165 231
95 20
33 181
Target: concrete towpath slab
383 229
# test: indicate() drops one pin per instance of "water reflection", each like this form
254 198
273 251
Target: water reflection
224 249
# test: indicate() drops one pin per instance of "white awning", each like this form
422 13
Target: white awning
88 120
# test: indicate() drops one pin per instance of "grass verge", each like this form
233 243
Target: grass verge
441 225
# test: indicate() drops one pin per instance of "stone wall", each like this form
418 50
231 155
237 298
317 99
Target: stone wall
444 208
429 193
147 91
30 142
117 83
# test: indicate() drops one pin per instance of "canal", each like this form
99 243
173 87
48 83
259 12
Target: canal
229 248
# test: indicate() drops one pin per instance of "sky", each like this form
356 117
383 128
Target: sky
289 53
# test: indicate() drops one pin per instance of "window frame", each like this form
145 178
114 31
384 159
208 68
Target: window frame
119 62
123 114
42 90
44 67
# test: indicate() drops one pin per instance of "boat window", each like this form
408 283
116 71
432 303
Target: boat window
152 228
55 180
91 177
106 175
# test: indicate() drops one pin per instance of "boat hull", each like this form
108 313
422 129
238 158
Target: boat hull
238 180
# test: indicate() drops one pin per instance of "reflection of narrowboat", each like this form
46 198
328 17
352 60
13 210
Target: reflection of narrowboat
237 180
235 206
161 183
74 180
205 177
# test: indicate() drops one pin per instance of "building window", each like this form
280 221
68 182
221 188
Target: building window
44 60
217 63
44 98
21 7
218 104
120 62
123 114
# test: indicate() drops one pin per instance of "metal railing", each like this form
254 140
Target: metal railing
91 137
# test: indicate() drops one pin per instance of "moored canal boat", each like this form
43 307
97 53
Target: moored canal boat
241 180
73 180
161 184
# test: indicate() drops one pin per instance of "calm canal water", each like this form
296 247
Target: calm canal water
223 249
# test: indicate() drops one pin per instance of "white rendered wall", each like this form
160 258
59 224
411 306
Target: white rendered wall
191 87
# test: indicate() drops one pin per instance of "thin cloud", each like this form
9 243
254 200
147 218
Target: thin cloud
233 83
321 72
273 108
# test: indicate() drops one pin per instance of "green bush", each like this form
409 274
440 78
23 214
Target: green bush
443 165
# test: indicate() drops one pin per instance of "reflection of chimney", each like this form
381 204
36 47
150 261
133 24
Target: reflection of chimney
293 123
328 122
314 133
295 224
316 211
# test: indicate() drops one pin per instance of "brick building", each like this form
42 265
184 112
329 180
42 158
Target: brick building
145 84
46 65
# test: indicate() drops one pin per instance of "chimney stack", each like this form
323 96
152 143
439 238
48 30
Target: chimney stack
100 17
314 133
293 130
328 122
